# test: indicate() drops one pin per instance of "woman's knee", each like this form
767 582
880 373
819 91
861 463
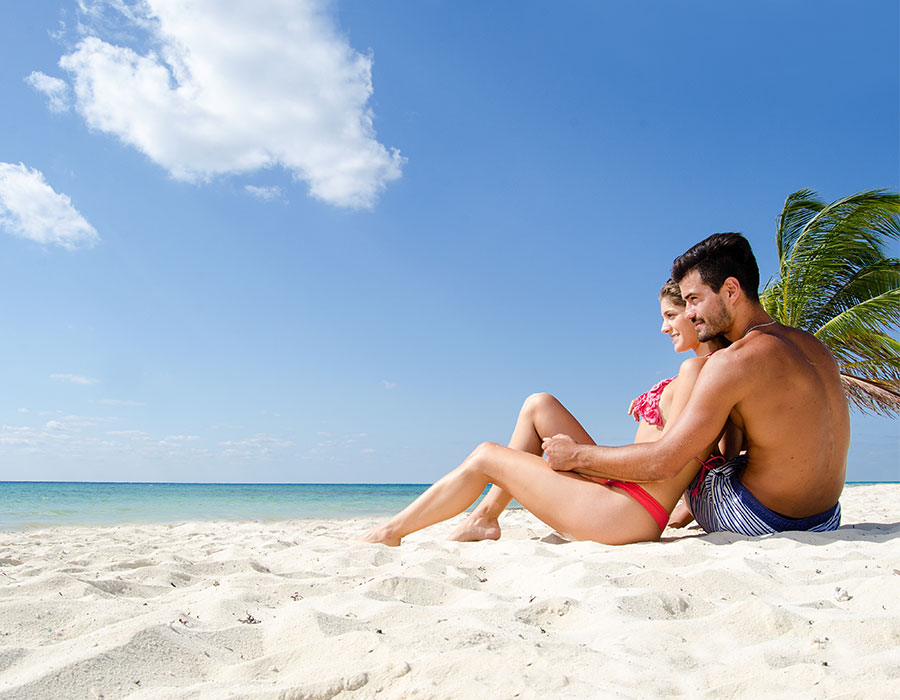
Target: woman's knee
482 456
537 402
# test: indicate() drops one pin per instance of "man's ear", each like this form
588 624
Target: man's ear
732 289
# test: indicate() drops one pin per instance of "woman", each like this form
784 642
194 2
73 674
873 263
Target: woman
578 506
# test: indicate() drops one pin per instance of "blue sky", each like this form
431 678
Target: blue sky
341 242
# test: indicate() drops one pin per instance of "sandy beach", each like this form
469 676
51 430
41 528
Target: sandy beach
298 610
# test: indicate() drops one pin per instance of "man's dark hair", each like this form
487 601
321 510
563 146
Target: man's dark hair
719 257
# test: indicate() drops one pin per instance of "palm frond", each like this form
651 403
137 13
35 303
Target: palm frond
865 216
770 298
872 395
872 356
799 208
835 281
872 314
877 278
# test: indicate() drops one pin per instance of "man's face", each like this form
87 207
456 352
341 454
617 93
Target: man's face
704 308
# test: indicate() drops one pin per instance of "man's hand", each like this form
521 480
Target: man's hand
681 516
560 452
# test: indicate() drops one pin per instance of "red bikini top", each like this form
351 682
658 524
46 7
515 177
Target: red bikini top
646 405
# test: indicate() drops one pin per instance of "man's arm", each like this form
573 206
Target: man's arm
718 389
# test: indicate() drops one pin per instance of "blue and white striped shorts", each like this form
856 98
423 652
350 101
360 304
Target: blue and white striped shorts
721 503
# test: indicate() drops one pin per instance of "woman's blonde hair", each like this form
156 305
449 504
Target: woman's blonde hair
672 292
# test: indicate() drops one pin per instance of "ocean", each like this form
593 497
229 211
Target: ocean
32 504
26 505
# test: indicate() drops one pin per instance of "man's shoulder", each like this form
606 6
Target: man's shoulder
743 357
771 340
739 351
774 345
782 342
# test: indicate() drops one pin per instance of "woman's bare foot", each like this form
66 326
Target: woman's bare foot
380 535
476 528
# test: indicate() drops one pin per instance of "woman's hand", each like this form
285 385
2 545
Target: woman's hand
560 452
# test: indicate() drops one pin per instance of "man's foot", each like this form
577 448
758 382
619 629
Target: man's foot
380 535
475 529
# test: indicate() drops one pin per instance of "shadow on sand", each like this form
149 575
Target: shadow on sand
853 532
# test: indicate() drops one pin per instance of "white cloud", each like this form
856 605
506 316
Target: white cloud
132 434
75 423
19 436
68 437
236 88
30 208
55 90
260 445
73 379
119 402
267 194
75 437
388 385
177 440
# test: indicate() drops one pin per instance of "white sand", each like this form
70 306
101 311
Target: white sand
158 612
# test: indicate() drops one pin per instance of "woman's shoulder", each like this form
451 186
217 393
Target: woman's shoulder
691 367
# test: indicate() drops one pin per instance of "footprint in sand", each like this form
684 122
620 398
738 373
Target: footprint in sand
412 591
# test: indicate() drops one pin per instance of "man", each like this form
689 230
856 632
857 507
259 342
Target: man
777 384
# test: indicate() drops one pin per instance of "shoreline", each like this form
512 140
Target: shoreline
296 609
27 511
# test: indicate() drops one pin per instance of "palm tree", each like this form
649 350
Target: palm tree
836 282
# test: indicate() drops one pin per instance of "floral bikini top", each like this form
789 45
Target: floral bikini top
646 405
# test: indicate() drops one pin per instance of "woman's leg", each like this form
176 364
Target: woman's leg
542 415
566 502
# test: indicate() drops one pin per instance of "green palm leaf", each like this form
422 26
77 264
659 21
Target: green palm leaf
835 280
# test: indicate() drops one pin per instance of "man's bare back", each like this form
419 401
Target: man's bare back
795 419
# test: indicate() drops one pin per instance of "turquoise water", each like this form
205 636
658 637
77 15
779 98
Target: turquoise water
30 504
25 505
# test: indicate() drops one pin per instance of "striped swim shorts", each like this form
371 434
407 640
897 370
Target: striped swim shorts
721 503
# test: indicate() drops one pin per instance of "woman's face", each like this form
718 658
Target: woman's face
677 326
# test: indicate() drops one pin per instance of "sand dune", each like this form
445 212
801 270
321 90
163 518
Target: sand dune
299 611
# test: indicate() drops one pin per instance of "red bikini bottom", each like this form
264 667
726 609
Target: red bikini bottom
644 499
650 504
